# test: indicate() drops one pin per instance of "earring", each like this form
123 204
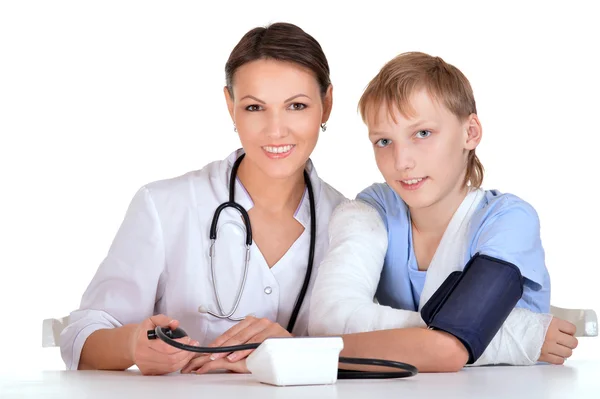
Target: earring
234 128
324 126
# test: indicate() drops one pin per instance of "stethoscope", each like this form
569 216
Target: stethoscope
169 336
221 314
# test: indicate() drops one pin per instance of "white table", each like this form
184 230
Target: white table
577 379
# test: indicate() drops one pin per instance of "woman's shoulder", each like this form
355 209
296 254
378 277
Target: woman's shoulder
327 195
330 195
209 180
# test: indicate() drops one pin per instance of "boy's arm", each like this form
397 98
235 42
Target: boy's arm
342 299
342 304
430 351
511 232
519 341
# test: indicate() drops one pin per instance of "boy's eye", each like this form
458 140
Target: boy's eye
423 134
383 142
297 106
253 108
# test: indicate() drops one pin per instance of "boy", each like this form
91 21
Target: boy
458 271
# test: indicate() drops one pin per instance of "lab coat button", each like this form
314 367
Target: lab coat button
268 290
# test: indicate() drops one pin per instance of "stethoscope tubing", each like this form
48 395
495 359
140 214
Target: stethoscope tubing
246 218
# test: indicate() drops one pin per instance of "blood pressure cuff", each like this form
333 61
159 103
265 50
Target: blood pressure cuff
473 304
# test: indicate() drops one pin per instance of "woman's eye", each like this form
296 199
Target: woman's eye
253 108
383 142
297 106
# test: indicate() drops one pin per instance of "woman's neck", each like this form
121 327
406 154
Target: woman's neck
273 195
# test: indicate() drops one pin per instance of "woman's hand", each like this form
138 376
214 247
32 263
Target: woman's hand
155 357
248 331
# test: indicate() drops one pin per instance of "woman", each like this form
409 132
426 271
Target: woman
158 269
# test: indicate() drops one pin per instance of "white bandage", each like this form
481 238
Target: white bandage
519 341
342 299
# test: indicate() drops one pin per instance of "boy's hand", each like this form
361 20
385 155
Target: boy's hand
559 343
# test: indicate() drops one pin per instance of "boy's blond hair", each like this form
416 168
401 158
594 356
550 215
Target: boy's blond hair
408 72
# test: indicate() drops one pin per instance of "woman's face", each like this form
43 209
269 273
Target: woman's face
277 108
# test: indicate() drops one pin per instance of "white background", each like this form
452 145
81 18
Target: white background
99 98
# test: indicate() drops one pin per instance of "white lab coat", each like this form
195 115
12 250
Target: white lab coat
158 262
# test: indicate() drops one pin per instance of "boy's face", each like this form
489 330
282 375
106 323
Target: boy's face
423 157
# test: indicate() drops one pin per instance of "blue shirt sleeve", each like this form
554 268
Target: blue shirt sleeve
376 196
509 230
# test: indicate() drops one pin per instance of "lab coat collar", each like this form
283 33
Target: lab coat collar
302 214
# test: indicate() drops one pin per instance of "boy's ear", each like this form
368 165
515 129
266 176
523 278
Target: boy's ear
473 132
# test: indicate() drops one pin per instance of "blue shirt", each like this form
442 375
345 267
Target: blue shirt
503 226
